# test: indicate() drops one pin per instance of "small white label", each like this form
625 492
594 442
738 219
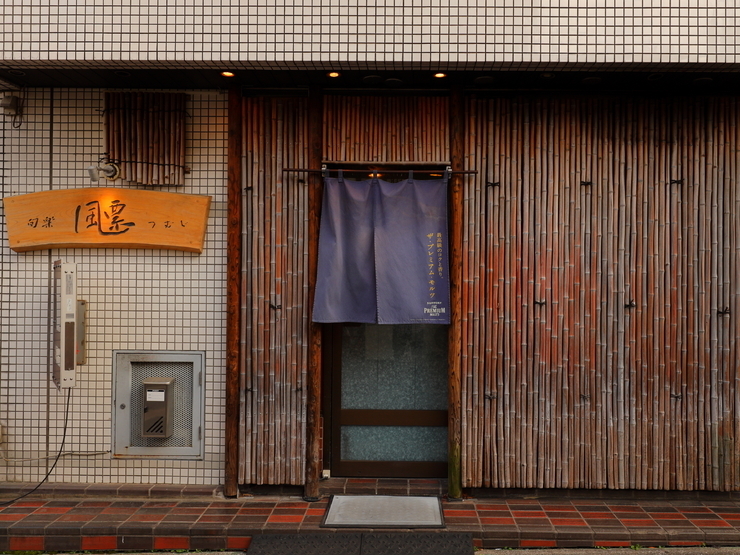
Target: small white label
155 395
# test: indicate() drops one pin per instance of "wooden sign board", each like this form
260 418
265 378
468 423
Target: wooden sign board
105 217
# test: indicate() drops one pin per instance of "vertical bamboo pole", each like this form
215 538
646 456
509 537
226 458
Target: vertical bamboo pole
259 353
734 207
536 425
513 298
248 287
690 227
457 154
625 175
491 454
715 407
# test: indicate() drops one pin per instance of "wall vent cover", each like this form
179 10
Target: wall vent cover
130 369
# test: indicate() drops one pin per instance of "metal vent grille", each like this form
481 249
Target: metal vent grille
182 427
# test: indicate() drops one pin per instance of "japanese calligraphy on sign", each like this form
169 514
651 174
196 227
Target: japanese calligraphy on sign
107 217
107 221
435 273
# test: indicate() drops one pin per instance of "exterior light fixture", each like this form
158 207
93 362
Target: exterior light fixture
109 171
440 75
10 104
227 74
333 74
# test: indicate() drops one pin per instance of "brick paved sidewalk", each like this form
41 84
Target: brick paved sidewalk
96 523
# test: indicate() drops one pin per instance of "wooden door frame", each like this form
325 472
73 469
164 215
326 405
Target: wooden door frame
234 355
335 417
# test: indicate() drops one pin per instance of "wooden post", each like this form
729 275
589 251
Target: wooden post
313 397
457 128
233 288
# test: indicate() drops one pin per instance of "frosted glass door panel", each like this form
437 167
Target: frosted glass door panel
394 443
397 367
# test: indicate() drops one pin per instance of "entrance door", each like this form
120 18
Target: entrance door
389 400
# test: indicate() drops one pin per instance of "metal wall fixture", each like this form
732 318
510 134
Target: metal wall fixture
182 403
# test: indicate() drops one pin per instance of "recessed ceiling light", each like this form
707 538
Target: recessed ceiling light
440 75
333 74
227 74
372 79
484 80
122 73
16 72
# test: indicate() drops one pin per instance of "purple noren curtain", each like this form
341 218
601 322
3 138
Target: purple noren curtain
383 252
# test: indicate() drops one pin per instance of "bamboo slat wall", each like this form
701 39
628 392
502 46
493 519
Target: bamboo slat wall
145 135
599 346
386 129
275 249
601 294
275 293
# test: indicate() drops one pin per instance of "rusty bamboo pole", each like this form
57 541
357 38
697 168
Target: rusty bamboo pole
688 358
482 404
726 364
638 288
488 163
513 358
245 378
675 303
468 357
457 154
261 353
277 344
289 301
734 374
305 297
472 399
579 300
257 354
631 342
489 111
537 187
127 123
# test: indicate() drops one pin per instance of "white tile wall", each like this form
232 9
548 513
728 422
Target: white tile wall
137 299
319 33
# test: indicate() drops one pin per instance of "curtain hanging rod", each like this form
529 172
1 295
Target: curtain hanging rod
358 170
387 163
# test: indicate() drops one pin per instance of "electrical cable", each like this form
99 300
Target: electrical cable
61 449
67 454
17 120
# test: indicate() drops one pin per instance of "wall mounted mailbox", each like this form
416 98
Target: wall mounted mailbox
107 217
158 407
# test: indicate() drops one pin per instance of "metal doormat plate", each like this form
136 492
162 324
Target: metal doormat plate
382 543
383 511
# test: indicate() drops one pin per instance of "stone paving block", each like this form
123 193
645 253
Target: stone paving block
135 543
63 543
